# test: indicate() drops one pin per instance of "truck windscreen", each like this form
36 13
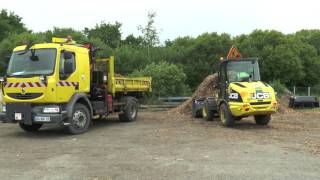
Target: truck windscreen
32 62
243 71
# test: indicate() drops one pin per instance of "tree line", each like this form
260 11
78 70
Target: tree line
179 65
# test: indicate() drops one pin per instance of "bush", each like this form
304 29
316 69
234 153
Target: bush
167 79
278 87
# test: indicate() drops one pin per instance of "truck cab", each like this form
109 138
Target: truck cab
59 83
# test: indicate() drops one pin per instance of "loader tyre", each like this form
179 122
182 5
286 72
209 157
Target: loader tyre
130 111
262 119
30 128
226 116
206 113
80 120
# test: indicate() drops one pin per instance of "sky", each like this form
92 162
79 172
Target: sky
174 18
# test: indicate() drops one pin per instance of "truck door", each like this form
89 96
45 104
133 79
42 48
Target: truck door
68 83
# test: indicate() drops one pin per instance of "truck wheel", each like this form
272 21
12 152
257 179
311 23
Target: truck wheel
80 120
30 128
206 113
226 116
262 119
130 111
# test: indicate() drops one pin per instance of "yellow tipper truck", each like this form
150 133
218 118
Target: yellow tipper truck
63 83
240 93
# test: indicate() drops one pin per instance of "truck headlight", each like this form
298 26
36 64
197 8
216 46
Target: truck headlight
4 109
55 109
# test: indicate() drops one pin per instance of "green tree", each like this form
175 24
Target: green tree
13 40
167 79
149 31
10 23
78 36
109 34
131 40
200 56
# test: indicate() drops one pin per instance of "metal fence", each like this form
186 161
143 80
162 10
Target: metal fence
165 103
305 91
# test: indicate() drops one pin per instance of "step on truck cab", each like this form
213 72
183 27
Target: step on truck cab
240 93
63 83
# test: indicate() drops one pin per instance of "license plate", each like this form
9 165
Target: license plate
18 116
41 119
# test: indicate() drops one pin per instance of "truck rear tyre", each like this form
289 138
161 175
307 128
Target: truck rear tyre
262 119
226 116
80 120
206 113
30 128
130 111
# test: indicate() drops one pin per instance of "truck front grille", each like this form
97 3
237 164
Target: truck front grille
24 96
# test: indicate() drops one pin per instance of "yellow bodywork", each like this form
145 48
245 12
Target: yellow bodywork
55 93
252 105
118 83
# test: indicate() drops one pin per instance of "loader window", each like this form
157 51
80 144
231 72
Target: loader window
243 71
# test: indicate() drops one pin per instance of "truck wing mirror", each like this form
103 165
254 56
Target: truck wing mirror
68 67
67 55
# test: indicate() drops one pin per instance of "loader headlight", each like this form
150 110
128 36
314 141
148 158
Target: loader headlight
53 109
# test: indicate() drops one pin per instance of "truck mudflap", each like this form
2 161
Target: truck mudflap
27 114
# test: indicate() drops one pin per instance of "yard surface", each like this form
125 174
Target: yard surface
162 145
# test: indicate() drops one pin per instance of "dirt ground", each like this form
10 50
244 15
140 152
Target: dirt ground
167 146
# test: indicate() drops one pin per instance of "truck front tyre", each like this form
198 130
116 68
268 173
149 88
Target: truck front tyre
130 111
262 119
226 116
30 128
80 120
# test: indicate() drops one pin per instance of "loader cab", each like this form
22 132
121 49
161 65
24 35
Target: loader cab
237 71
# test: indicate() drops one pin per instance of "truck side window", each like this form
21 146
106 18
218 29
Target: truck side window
62 71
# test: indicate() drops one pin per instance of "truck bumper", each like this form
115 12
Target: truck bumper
30 114
247 109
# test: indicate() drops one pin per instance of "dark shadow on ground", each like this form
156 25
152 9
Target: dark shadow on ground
56 131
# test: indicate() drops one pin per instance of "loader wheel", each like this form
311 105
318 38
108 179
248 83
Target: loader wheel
30 128
206 113
80 120
237 118
262 119
130 110
226 116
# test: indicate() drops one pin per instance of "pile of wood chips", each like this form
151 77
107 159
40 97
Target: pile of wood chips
206 88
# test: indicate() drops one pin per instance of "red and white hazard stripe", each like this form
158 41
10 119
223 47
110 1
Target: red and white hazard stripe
25 84
64 83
